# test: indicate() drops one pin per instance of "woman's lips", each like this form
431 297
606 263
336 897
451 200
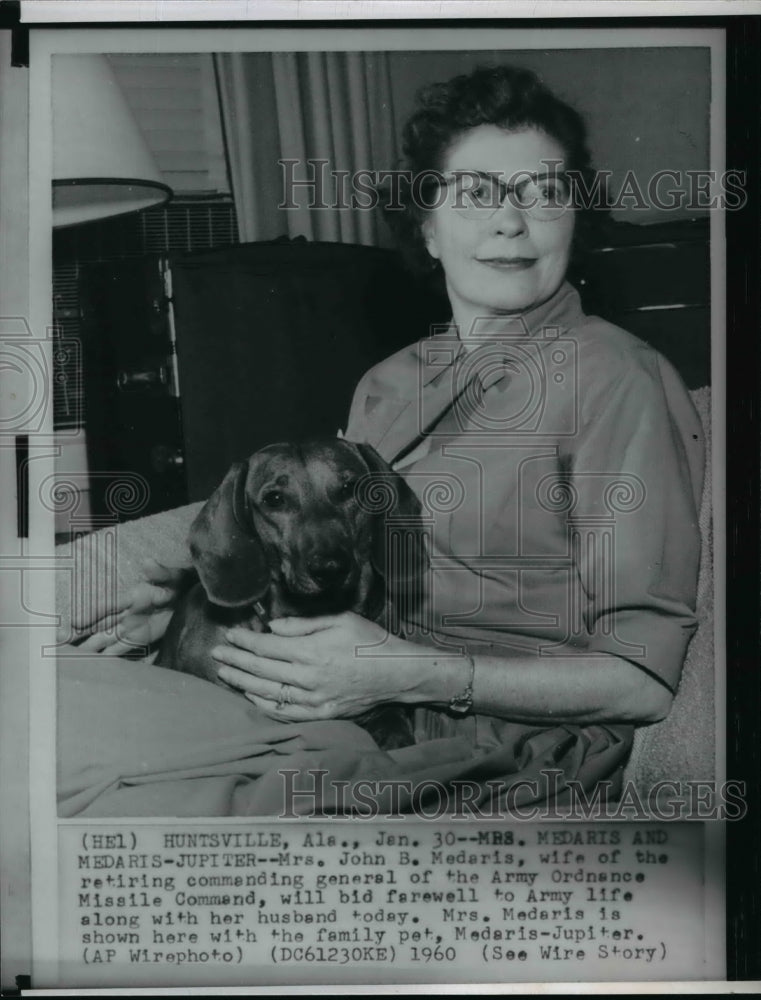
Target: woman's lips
508 263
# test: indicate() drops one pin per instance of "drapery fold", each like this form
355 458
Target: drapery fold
305 107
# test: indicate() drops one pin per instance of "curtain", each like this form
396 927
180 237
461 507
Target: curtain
306 106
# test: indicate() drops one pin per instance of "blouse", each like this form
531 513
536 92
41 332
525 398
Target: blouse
559 467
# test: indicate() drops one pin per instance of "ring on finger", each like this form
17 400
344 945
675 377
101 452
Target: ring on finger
284 697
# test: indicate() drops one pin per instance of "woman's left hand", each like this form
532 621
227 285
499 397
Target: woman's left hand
314 668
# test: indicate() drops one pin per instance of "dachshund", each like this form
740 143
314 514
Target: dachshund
301 530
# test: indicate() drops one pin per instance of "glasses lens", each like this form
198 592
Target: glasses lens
475 194
543 197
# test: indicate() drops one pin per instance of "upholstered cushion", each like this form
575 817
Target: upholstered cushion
96 572
682 747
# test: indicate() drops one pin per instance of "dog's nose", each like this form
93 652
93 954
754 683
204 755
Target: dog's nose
329 568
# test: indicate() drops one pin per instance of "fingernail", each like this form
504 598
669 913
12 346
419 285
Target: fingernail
230 635
217 652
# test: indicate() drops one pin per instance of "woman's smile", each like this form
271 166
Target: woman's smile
508 263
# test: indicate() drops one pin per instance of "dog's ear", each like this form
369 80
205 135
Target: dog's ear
226 550
399 552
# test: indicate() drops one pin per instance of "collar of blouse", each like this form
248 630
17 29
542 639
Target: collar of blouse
422 383
492 355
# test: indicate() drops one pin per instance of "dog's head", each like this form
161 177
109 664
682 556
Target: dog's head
317 521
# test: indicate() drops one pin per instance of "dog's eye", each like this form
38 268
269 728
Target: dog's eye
273 499
346 492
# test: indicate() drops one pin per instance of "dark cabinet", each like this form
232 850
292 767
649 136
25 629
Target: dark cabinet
195 361
132 411
655 281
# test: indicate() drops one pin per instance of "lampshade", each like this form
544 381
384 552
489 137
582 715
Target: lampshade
101 163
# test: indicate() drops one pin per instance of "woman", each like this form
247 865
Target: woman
564 564
627 416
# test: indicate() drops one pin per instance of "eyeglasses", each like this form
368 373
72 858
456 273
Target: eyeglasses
478 195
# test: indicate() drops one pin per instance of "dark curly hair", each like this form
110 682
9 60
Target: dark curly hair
509 97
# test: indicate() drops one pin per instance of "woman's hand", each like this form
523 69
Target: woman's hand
144 615
316 668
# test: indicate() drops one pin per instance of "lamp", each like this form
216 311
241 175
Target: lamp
101 163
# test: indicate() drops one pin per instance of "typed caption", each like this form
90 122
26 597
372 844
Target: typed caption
305 902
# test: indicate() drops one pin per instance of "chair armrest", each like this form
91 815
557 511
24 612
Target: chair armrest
95 572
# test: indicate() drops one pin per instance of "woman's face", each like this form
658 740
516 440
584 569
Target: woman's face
512 261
